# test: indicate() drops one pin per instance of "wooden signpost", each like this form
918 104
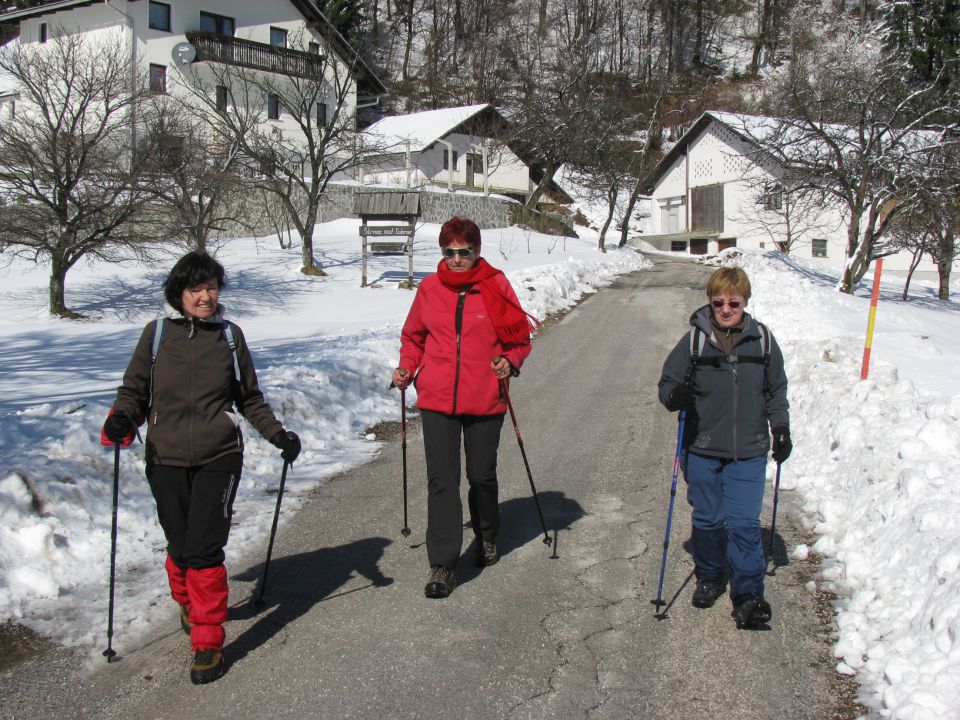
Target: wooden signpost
395 207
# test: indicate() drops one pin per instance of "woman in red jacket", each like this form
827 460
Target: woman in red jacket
466 333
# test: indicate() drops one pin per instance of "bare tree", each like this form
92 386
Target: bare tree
196 175
850 130
313 140
68 179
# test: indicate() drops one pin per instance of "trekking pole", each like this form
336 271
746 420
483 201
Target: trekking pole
773 520
403 445
110 653
516 428
658 602
273 532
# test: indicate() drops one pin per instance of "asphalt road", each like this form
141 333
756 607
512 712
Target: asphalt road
546 633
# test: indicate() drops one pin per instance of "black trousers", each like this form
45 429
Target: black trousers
441 442
194 506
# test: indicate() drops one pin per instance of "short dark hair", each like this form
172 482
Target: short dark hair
459 228
192 269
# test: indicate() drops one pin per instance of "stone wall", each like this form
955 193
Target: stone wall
435 207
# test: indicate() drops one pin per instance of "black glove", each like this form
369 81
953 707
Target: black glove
681 398
781 443
117 427
289 444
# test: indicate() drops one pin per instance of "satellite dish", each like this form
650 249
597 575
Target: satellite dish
184 53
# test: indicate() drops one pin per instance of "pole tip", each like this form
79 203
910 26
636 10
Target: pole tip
405 532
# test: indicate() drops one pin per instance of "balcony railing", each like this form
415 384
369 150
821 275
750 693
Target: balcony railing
256 55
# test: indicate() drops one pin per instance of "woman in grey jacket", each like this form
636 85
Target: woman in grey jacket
727 374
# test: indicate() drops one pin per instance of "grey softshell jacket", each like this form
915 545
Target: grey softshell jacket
736 402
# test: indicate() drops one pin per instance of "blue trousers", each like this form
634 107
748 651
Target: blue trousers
726 497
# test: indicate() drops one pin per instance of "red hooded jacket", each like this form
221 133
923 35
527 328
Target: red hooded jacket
451 376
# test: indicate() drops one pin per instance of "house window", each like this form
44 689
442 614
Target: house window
321 114
170 151
278 37
217 24
43 32
819 248
159 16
158 78
678 246
221 98
446 159
313 48
772 198
273 107
706 209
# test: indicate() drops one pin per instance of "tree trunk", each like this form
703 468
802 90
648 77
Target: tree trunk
914 262
538 191
58 279
310 266
408 41
761 41
945 263
612 192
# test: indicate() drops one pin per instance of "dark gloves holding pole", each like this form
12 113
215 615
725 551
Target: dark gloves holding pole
681 398
289 445
117 430
782 446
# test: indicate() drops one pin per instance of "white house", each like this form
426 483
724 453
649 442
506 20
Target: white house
457 148
712 191
281 37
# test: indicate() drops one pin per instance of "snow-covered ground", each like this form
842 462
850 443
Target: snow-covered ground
871 468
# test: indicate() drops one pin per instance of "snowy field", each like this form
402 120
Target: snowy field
872 466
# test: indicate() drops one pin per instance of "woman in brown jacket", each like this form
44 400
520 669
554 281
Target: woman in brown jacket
188 377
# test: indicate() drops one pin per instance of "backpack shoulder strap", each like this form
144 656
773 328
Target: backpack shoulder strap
159 328
228 336
765 339
698 340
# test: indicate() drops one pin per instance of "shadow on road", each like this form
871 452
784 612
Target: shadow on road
298 582
519 525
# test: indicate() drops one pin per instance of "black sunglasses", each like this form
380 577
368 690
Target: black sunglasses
449 252
733 304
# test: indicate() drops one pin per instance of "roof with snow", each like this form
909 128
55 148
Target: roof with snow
423 129
791 137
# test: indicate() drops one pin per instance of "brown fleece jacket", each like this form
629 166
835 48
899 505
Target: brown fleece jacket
193 419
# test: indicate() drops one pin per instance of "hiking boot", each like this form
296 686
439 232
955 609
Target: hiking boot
442 582
707 592
751 611
207 666
185 623
486 553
